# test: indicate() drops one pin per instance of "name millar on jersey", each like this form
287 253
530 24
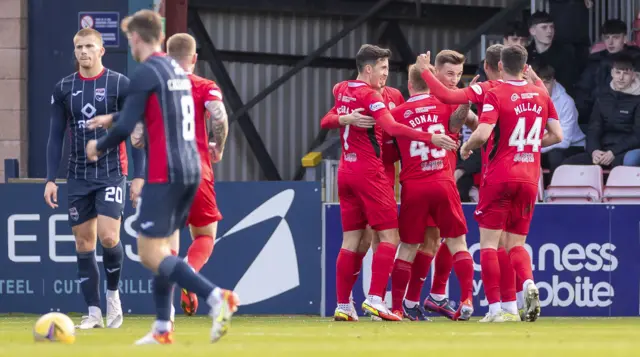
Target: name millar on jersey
422 119
528 107
178 84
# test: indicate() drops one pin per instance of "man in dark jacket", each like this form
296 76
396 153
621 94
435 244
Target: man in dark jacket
559 56
516 33
597 76
614 127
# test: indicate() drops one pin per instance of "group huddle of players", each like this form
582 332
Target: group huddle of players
377 128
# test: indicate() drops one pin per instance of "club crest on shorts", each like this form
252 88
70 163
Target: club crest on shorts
73 213
100 93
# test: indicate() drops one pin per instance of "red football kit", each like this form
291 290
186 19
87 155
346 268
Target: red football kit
428 187
363 189
509 189
204 209
392 98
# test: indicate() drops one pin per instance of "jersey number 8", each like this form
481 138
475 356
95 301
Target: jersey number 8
188 118
418 148
518 139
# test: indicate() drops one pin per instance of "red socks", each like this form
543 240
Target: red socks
419 272
507 277
490 274
344 275
442 270
519 283
399 280
463 266
381 268
200 251
357 268
521 262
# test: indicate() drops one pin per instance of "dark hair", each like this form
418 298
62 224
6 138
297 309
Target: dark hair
540 17
492 56
613 27
370 55
515 28
544 70
623 61
513 59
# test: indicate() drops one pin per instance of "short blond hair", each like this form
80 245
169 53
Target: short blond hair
181 46
146 23
89 32
415 78
449 56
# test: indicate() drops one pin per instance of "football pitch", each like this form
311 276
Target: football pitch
315 336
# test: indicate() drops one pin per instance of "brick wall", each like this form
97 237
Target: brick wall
13 83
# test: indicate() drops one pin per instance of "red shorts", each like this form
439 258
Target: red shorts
204 209
438 200
366 199
507 206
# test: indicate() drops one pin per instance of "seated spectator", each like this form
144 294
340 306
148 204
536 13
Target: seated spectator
613 137
596 78
516 33
543 49
574 139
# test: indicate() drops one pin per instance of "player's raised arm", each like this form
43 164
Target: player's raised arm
140 88
58 123
458 118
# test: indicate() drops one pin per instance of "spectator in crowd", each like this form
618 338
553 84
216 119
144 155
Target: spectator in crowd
596 78
573 141
613 137
543 49
516 33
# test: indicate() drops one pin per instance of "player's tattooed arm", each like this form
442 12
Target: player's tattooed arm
458 118
219 123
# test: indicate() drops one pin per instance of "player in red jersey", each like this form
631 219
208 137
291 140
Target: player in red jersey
363 188
429 193
475 93
519 112
204 214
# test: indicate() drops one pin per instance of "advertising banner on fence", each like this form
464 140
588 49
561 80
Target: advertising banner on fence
268 249
585 260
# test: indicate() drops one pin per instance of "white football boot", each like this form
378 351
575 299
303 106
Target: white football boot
223 307
91 321
114 310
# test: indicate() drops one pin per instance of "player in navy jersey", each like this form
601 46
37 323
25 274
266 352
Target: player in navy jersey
160 96
95 189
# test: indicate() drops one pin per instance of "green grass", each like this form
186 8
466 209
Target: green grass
315 336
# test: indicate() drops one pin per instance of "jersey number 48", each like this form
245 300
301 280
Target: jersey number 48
520 140
418 148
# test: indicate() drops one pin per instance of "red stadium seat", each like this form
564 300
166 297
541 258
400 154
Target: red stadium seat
575 184
623 185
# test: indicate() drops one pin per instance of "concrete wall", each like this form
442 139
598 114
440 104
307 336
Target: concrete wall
13 83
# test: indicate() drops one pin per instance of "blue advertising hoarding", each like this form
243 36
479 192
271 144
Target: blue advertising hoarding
268 249
585 260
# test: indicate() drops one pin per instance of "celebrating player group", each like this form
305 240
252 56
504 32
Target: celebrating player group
516 119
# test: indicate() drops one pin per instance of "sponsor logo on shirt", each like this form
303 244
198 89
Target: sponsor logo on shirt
487 108
476 88
376 106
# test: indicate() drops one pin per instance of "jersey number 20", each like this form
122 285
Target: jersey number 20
532 138
418 148
188 118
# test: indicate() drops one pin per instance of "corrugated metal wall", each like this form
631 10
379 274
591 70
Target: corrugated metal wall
288 119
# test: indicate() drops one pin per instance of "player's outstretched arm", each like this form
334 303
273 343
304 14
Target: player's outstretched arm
444 94
58 124
331 120
132 112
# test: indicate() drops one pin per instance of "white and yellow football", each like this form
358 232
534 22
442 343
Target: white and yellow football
54 327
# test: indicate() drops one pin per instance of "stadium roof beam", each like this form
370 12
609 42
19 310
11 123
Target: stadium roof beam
433 14
496 20
381 4
256 144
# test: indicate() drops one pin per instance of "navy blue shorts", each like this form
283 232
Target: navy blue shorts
90 198
163 208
